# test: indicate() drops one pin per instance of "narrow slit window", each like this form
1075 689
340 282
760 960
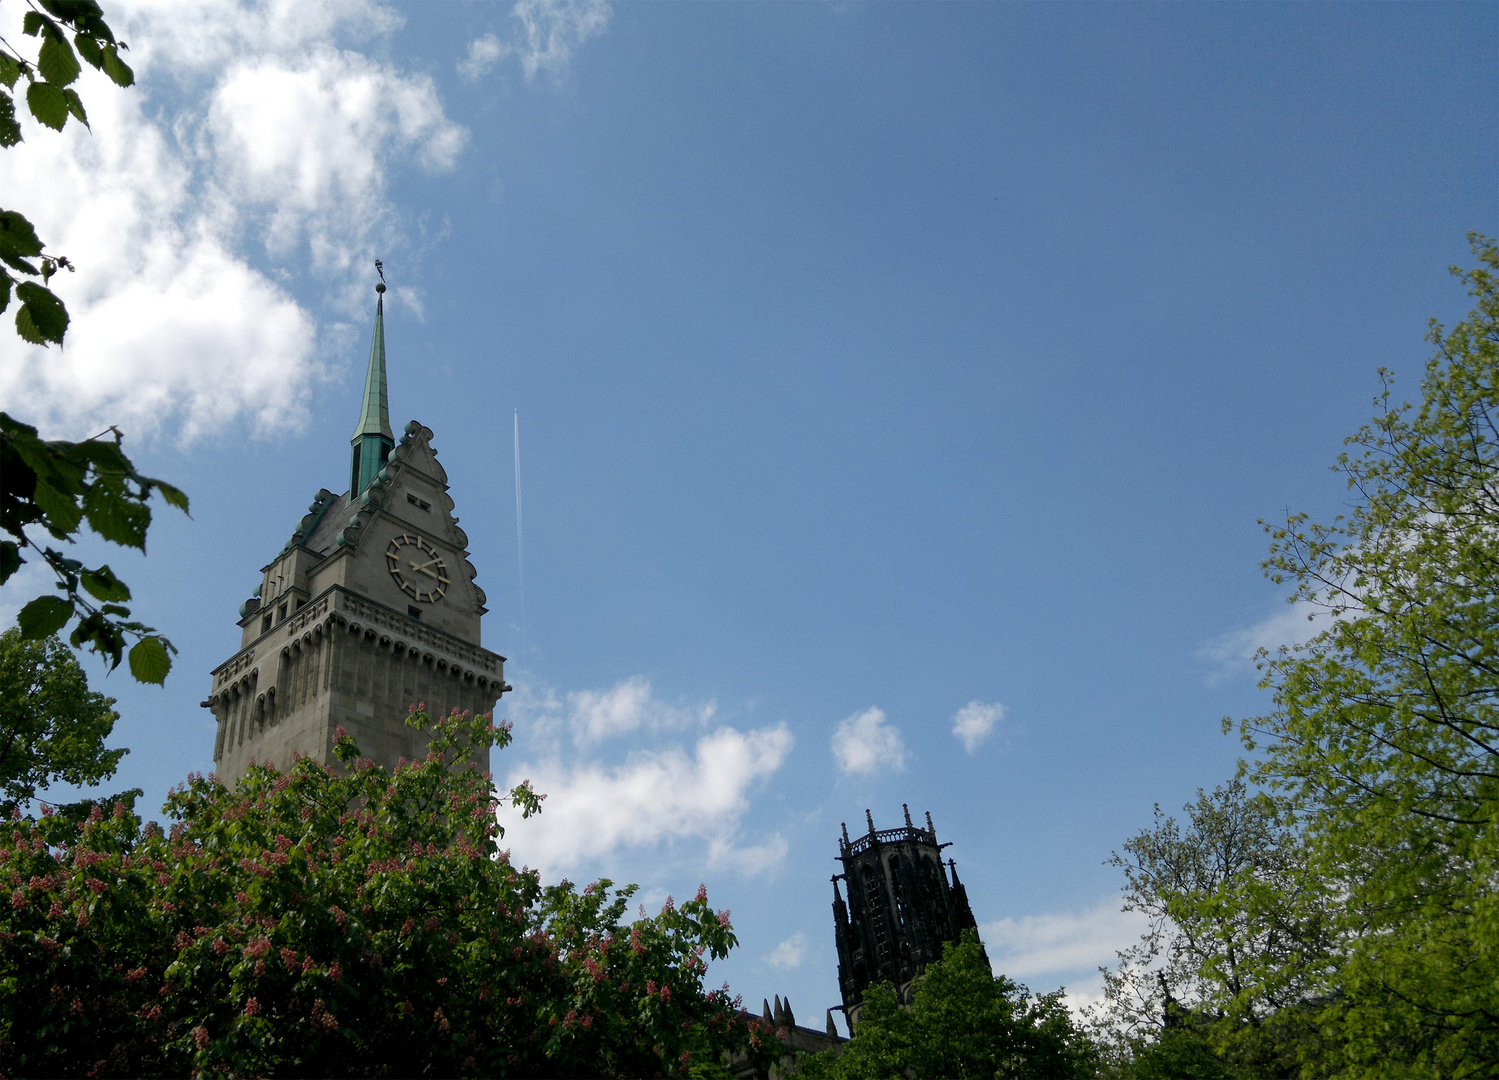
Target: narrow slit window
414 611
420 504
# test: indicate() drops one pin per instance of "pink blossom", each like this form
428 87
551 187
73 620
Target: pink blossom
200 1036
702 892
252 1007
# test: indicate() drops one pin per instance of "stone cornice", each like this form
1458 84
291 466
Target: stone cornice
338 608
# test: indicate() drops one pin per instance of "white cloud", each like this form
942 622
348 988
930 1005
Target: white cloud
547 33
866 743
789 953
248 120
483 54
1059 944
1234 653
974 722
629 706
749 859
308 139
594 715
593 810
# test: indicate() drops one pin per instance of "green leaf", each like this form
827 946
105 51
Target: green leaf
103 585
42 318
60 513
5 282
48 104
90 49
43 617
116 68
10 70
10 559
10 127
17 235
75 106
173 496
33 23
149 660
56 61
115 514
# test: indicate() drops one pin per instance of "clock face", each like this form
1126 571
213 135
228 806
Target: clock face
417 568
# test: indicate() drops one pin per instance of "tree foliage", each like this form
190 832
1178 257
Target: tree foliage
963 1021
56 486
1365 900
52 726
1220 981
1385 731
360 921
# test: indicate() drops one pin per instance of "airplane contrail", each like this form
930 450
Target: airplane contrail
520 545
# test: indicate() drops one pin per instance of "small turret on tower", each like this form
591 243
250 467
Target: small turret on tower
372 439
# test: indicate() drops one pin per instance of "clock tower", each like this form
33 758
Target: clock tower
370 608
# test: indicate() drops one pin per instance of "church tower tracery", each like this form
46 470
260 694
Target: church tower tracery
369 609
901 909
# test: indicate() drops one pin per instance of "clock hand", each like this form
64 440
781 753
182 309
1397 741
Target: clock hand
425 569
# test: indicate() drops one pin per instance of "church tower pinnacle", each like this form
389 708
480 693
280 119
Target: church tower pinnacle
372 439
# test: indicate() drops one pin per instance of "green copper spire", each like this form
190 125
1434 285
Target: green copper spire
372 439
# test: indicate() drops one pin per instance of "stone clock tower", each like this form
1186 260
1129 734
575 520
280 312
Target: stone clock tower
370 608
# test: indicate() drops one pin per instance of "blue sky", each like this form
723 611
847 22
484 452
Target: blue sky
872 362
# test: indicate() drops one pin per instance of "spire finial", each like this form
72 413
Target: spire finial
372 438
869 818
907 808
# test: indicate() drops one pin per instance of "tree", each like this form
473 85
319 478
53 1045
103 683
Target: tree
52 726
963 1021
1219 982
354 921
1384 735
58 486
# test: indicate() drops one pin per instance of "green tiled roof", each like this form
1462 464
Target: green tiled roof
374 414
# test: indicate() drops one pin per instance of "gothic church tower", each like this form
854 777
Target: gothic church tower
369 609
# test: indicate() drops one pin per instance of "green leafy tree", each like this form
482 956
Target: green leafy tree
963 1021
58 487
52 726
1384 736
1220 981
355 921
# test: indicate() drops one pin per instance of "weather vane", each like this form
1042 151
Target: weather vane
380 269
